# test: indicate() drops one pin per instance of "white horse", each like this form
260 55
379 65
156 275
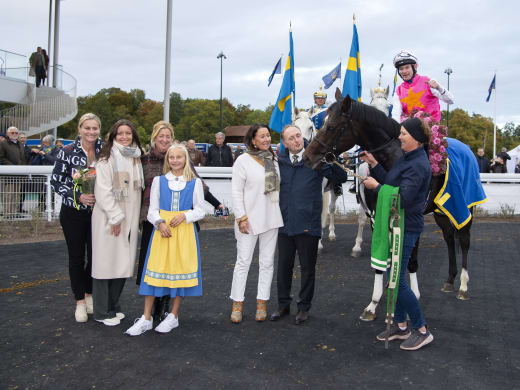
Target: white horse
380 101
302 119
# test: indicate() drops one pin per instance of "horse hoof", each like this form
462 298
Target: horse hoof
332 238
355 254
462 295
447 288
367 316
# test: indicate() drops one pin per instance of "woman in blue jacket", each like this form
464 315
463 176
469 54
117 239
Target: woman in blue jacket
412 174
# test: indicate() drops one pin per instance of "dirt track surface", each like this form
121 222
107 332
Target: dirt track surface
476 344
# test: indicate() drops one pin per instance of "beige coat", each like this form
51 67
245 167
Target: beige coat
114 257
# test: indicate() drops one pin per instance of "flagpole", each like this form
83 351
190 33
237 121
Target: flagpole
495 121
294 75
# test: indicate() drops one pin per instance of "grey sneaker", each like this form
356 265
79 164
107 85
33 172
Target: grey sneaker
395 334
417 340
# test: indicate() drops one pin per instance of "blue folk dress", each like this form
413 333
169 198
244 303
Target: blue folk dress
172 265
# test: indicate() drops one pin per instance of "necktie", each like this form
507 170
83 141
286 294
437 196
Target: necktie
295 159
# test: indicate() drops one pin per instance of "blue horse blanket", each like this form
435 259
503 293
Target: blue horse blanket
462 188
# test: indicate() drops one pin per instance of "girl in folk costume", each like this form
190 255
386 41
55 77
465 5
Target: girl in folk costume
172 265
115 219
416 92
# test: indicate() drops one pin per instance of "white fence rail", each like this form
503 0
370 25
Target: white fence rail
26 192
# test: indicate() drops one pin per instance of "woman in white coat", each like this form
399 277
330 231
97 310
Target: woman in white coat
255 191
115 219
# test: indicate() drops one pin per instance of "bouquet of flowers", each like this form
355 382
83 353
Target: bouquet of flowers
85 181
437 148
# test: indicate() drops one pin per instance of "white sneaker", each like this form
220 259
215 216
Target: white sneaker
120 316
81 313
169 323
110 321
90 304
140 326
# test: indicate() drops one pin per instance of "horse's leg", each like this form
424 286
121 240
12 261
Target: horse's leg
362 220
464 239
448 232
324 209
369 314
413 265
332 211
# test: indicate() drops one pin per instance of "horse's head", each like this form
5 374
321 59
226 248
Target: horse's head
337 134
302 119
380 98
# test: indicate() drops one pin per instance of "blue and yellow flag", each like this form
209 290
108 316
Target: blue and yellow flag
282 111
330 77
352 81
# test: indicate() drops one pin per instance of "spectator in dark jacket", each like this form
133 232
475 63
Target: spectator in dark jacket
483 162
46 153
504 156
22 138
498 166
11 153
300 204
219 155
412 174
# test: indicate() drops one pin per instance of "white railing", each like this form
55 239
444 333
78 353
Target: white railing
44 114
26 192
11 64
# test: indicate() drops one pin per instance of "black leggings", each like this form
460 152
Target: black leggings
76 227
146 234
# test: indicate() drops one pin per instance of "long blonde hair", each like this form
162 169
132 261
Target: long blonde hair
157 128
187 173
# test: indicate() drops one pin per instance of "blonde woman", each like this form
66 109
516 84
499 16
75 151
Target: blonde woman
76 209
172 266
115 219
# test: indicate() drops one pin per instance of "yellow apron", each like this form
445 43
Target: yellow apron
173 261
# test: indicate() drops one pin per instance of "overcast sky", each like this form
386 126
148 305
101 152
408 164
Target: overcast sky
121 43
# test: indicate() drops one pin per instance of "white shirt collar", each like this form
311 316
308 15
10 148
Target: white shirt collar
300 155
170 176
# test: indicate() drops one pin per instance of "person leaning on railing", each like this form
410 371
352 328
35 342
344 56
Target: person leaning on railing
11 153
76 209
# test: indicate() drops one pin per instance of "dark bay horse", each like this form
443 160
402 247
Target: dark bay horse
352 123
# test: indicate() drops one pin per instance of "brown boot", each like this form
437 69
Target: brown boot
236 313
261 310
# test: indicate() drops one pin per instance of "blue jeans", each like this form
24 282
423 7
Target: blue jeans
406 300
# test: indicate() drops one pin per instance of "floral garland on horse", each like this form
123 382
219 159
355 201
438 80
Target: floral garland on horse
437 146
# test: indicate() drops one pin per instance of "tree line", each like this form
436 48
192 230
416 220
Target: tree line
192 118
200 118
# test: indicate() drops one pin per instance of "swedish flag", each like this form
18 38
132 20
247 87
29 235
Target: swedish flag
352 81
282 111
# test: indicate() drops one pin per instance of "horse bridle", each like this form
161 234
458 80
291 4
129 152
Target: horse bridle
330 155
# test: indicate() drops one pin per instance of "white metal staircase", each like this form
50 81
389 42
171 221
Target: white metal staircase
38 109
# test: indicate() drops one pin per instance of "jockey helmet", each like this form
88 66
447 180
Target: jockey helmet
404 57
320 94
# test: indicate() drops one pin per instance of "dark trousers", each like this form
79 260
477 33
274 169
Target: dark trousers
76 227
146 234
307 248
40 75
106 293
